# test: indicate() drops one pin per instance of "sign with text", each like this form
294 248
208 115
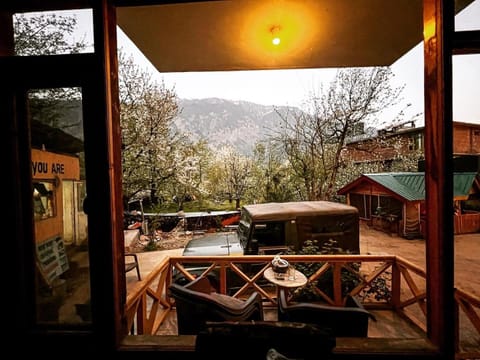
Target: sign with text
52 258
49 165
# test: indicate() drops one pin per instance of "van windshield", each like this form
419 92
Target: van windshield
269 234
243 230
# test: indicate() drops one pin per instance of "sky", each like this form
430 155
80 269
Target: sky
294 87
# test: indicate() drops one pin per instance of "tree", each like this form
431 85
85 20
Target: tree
149 145
237 170
43 34
313 141
271 176
230 175
53 108
157 161
189 180
51 34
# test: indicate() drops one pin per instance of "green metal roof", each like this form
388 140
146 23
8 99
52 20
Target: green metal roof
411 185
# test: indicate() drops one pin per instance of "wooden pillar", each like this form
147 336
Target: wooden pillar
6 34
106 218
438 31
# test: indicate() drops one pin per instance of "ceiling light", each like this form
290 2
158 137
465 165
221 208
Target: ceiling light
274 30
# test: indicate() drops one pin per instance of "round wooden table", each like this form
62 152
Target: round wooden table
290 281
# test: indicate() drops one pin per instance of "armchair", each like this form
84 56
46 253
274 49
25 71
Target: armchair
253 340
348 321
197 302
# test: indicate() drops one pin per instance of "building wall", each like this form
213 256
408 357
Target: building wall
54 168
466 140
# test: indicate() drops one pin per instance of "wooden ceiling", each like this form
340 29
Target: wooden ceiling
236 35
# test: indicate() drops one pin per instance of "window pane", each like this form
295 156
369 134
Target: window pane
466 87
43 200
53 32
468 18
58 179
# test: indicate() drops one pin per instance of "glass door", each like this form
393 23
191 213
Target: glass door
58 176
60 126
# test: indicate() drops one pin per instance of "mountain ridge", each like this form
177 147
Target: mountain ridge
221 122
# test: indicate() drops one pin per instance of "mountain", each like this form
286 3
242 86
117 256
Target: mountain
224 122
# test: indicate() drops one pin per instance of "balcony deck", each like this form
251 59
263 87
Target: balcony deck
401 319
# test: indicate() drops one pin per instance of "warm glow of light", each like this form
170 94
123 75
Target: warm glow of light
276 31
429 29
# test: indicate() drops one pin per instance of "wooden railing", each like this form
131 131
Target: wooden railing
382 282
470 306
147 304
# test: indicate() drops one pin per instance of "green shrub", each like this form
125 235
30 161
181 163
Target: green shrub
379 288
151 246
325 282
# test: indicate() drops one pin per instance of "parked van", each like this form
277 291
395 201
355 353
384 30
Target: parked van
275 227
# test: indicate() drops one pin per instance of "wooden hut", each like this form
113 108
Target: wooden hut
395 202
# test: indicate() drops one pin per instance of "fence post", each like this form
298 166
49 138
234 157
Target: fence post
396 284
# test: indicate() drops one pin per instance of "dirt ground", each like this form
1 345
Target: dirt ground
467 253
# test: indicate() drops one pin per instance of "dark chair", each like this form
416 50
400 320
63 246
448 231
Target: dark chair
348 321
254 340
132 264
197 302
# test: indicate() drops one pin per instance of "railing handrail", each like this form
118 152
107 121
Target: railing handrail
472 299
295 258
142 285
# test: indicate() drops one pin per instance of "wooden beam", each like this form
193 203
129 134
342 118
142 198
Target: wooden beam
105 220
438 17
44 5
466 42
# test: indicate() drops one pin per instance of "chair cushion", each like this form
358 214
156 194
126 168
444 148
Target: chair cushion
228 301
194 308
201 284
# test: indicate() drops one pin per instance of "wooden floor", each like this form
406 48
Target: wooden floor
388 324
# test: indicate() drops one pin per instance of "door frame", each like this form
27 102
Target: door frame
103 168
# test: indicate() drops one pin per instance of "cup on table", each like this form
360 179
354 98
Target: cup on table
291 272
